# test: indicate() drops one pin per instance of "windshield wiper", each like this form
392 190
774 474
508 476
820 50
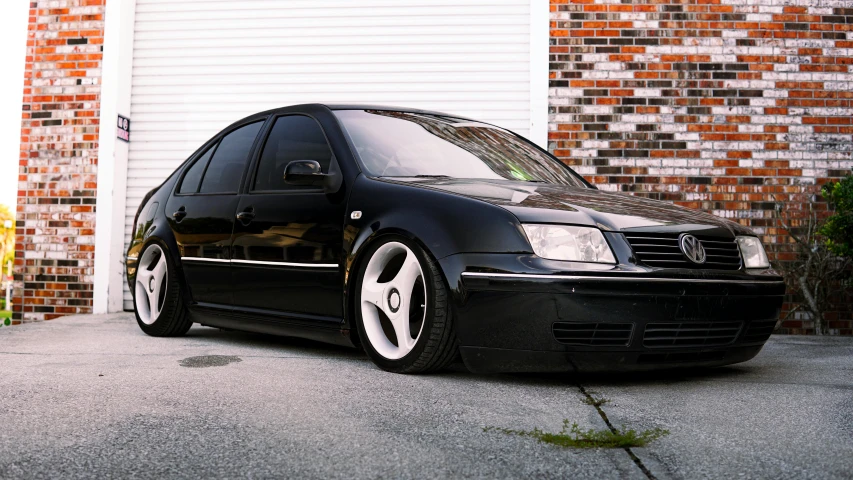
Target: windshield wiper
432 176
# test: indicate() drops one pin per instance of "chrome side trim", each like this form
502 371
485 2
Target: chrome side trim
287 264
202 259
613 279
258 262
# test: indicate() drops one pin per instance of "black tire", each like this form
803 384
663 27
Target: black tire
437 346
174 318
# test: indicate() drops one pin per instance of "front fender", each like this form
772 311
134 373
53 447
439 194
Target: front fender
442 223
445 223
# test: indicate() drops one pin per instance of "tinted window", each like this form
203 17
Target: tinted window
295 137
405 144
193 176
226 168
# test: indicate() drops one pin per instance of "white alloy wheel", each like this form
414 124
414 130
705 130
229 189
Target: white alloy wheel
400 299
152 278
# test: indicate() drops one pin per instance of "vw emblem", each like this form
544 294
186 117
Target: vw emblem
692 249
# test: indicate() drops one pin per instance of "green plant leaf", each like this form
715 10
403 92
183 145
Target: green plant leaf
571 436
838 227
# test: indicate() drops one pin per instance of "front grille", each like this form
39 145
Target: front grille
662 250
593 334
759 331
681 357
690 334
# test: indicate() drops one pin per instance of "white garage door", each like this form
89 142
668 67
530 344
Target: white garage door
199 65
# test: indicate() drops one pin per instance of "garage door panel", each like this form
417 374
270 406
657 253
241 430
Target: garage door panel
150 132
178 103
362 34
146 85
178 143
171 91
237 60
233 27
482 101
158 169
322 19
378 36
354 13
265 72
171 6
321 48
200 65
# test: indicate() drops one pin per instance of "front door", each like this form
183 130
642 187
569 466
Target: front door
287 244
201 214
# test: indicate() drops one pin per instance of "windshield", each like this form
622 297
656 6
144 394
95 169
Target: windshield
405 144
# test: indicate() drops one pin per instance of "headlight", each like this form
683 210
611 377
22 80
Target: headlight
753 253
564 242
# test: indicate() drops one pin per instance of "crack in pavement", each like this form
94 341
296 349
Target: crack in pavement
628 450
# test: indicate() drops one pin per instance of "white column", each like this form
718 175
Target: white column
112 156
539 50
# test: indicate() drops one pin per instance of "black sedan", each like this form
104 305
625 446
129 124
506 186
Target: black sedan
421 236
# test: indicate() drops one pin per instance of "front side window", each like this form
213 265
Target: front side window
225 169
407 144
294 137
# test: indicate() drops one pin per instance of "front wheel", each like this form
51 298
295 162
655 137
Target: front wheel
402 310
157 301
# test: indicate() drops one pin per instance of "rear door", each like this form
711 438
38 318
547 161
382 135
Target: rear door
287 244
202 214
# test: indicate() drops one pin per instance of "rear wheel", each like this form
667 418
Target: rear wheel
402 309
157 300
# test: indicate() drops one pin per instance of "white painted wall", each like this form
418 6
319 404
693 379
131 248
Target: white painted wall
112 157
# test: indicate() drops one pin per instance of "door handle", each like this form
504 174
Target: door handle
246 216
180 214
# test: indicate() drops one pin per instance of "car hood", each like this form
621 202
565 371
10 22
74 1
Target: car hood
546 203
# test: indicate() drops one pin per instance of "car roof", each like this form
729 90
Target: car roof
309 106
392 109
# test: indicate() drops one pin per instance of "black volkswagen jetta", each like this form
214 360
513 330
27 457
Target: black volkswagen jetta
420 236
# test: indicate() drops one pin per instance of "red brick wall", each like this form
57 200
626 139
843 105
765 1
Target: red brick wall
729 106
55 251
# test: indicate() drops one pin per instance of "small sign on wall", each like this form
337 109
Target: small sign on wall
123 128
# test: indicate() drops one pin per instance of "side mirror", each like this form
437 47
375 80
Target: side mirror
304 172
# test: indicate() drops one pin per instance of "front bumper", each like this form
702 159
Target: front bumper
515 314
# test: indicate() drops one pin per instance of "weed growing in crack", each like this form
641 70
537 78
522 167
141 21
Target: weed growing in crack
595 401
571 436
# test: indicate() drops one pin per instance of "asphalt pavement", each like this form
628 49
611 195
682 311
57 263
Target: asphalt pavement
94 397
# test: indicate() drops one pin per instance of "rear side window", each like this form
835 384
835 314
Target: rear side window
225 170
295 137
192 179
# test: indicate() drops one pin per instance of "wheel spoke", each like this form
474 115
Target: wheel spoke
159 271
401 328
408 274
371 292
153 303
142 275
157 279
